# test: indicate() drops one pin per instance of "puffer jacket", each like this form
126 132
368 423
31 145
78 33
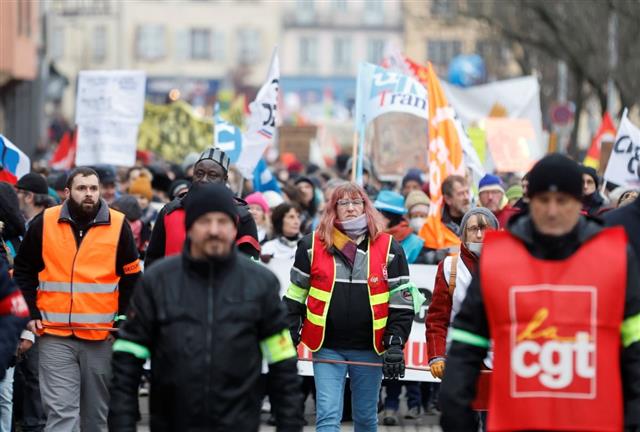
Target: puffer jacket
202 324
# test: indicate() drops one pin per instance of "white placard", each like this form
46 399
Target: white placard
415 352
623 168
107 142
116 95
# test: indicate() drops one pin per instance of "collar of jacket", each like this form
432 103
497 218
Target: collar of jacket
521 226
102 217
469 259
448 221
206 267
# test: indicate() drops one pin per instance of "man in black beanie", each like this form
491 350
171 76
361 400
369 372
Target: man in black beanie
564 326
168 233
206 318
592 201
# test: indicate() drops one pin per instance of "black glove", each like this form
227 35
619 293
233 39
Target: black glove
393 359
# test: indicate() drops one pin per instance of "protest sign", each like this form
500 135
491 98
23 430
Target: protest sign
623 168
415 353
509 142
116 95
107 142
296 140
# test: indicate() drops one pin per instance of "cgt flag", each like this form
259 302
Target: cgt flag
623 168
261 124
13 162
606 132
445 159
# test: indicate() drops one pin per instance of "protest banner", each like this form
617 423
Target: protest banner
606 133
623 168
173 131
415 352
109 108
509 142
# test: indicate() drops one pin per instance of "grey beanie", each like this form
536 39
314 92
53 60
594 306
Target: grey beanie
491 218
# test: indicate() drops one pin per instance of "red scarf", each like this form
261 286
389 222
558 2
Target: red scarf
401 231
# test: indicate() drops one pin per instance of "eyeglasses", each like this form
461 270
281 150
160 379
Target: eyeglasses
346 203
475 229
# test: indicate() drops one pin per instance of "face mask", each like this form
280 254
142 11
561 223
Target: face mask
416 223
476 248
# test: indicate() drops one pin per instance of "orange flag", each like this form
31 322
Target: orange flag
606 131
445 159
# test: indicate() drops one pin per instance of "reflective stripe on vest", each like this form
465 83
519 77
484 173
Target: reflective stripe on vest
79 286
174 232
323 279
556 333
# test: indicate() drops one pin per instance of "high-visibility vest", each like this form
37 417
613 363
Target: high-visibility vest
323 277
175 232
79 285
556 329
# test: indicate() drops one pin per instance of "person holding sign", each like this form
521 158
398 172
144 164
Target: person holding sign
565 328
350 299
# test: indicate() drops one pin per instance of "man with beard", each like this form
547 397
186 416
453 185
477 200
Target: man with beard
169 234
206 318
77 267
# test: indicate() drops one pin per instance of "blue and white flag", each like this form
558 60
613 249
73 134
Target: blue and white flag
261 124
227 137
263 179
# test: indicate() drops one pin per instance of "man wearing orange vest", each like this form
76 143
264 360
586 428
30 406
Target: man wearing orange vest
77 267
559 296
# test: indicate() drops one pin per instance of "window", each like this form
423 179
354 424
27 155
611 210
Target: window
248 46
375 50
308 52
150 42
56 43
373 11
99 44
305 11
217 46
443 8
440 52
342 54
199 44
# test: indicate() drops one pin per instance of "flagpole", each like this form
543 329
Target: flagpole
354 156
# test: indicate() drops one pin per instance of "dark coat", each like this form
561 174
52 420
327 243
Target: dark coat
629 217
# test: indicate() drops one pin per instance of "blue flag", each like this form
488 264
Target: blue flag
227 137
263 179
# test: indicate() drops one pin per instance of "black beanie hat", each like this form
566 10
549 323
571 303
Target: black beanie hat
209 197
591 172
555 173
33 182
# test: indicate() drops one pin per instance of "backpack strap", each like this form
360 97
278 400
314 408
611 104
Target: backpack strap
454 273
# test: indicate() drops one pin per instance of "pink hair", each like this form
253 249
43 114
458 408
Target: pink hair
330 216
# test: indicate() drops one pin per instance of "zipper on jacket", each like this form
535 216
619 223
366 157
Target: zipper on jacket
209 340
73 270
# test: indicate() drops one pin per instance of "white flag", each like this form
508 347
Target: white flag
261 124
623 168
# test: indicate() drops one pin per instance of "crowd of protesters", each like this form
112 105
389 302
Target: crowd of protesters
311 206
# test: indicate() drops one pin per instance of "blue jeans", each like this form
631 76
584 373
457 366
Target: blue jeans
365 387
414 395
6 401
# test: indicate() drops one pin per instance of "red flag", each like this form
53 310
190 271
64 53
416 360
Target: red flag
606 132
65 155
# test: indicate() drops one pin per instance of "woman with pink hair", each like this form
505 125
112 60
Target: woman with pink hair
350 299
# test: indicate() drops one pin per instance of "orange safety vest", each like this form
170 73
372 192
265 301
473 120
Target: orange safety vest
323 275
79 285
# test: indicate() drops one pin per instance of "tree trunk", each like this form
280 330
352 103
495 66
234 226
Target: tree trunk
572 149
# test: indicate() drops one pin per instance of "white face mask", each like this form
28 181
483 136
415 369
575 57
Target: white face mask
476 248
416 223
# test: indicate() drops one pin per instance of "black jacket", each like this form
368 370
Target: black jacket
29 261
13 317
629 217
202 323
246 227
464 360
349 320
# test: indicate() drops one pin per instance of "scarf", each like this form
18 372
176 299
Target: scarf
401 231
354 228
345 245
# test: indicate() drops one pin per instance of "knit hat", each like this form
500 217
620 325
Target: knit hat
258 199
514 192
591 172
177 187
391 202
415 198
555 173
216 155
414 174
141 186
206 198
488 215
33 182
128 205
273 198
490 182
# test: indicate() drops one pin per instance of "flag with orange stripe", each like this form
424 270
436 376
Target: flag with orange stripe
445 159
606 132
